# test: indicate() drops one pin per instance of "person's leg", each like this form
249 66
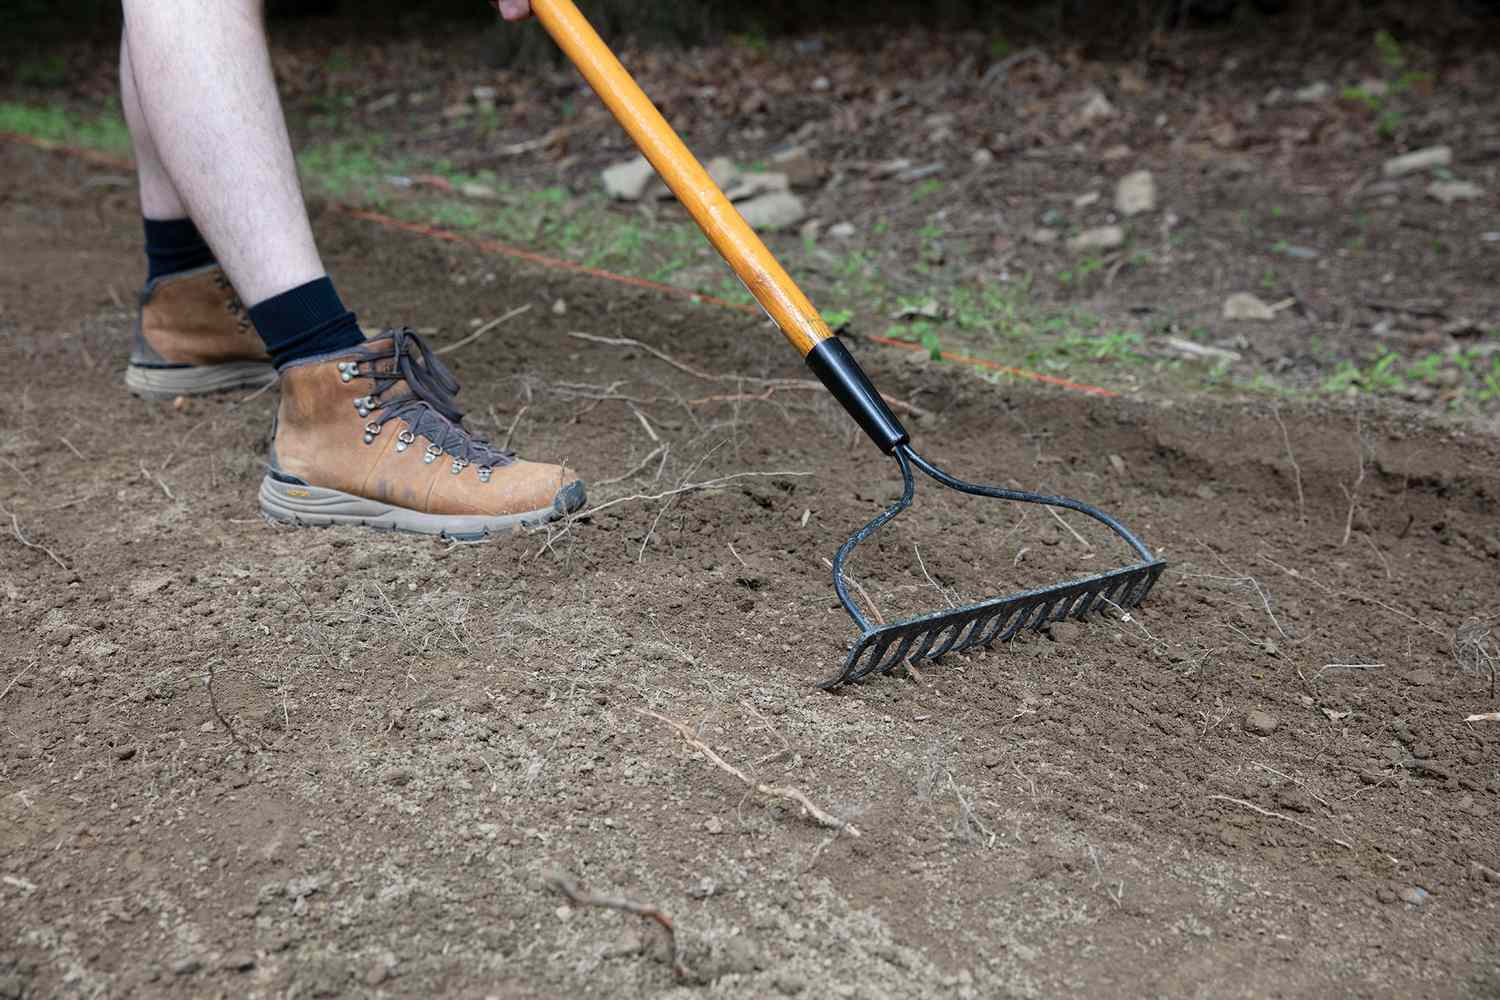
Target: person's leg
159 199
202 76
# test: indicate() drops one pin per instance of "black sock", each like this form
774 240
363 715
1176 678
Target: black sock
174 245
309 319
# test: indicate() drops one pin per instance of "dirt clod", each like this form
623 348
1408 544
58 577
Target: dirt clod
1261 722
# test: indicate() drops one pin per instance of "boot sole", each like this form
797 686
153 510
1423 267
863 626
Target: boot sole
290 503
197 380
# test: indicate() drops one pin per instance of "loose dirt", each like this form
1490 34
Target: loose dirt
245 760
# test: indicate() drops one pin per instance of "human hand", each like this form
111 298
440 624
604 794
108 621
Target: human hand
513 10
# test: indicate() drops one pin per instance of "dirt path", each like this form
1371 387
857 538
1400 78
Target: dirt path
237 760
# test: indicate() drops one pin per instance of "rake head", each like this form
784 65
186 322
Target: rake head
931 637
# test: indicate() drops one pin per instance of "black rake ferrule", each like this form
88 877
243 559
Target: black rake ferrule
836 368
930 637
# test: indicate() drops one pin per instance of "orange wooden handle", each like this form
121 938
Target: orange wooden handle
772 287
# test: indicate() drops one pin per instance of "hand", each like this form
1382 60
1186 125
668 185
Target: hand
513 10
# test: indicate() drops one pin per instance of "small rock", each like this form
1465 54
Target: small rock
207 727
992 760
1448 192
1043 236
485 96
1484 872
1100 238
982 157
1318 90
1417 161
789 983
1421 678
480 192
187 966
774 210
560 308
377 973
1414 895
397 776
1260 723
1206 492
628 181
1422 751
564 913
1385 894
1095 108
237 961
1119 151
1118 464
749 185
1085 200
713 826
842 230
1243 306
124 753
1136 193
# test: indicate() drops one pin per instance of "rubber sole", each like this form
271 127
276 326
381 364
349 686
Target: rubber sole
315 506
197 380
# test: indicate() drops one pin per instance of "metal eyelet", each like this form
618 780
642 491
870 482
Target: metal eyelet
484 473
364 404
371 429
431 454
348 370
459 464
405 440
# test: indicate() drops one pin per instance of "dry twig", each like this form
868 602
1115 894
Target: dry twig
486 328
1353 494
770 384
213 702
1283 816
564 884
819 816
1296 469
15 527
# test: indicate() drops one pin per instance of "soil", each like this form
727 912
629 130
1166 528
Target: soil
244 760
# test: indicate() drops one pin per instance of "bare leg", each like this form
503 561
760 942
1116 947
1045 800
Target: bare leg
159 199
207 97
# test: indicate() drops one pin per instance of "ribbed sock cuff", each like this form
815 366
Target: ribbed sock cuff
174 245
303 321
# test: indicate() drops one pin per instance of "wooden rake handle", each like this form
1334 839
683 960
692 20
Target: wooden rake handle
720 221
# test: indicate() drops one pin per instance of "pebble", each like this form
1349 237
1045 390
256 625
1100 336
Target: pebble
377 973
1261 723
982 157
1414 895
1316 91
628 181
477 191
237 961
1421 677
1484 872
1065 631
1417 161
187 966
1100 238
1448 192
397 776
207 727
1117 463
1043 236
1243 306
124 753
842 230
1385 894
713 826
789 983
773 210
1136 193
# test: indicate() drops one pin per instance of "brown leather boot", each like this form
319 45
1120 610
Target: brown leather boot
371 435
193 336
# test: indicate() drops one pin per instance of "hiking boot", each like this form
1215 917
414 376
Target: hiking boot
193 336
371 435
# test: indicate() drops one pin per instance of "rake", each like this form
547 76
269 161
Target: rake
880 648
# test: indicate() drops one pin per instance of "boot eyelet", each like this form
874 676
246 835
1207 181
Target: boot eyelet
430 455
484 473
405 440
348 370
363 405
371 430
459 464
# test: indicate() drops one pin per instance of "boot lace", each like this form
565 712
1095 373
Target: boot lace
427 406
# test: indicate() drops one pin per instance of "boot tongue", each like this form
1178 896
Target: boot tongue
421 374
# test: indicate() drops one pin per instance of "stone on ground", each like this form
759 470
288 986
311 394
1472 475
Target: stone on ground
1260 723
773 210
1136 193
1448 192
1417 161
1101 238
628 181
1244 306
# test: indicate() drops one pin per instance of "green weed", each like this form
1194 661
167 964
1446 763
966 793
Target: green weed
104 133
